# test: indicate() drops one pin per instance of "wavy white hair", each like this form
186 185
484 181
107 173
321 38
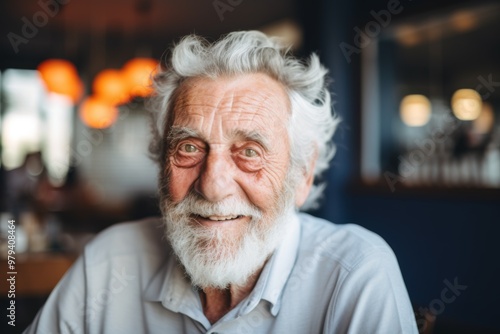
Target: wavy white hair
311 124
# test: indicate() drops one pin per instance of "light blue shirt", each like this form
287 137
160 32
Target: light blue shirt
324 278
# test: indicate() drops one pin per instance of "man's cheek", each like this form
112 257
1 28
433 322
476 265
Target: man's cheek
180 182
266 185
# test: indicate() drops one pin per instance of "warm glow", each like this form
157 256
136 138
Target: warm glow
111 86
60 76
97 113
408 35
289 32
484 123
415 110
466 104
138 72
463 21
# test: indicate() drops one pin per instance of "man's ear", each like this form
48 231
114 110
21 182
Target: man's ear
304 186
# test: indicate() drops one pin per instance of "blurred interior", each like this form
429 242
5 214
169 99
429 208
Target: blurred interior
416 83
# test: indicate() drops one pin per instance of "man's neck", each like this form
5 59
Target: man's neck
216 303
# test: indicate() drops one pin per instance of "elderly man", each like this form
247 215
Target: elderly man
242 131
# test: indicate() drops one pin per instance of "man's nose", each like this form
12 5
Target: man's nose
216 178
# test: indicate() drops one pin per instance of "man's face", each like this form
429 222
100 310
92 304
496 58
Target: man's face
228 159
238 147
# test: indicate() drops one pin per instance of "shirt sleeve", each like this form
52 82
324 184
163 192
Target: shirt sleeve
372 299
64 310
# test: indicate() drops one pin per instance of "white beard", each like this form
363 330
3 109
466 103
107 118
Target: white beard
211 257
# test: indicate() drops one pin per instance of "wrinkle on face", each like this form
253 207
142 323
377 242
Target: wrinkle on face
222 111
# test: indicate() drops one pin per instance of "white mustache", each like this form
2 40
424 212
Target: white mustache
194 205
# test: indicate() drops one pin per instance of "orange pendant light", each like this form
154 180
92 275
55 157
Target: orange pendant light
138 72
98 113
111 86
60 76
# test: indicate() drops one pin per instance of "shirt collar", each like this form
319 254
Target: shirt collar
171 287
276 271
281 264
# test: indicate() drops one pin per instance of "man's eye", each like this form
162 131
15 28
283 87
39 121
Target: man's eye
250 153
189 148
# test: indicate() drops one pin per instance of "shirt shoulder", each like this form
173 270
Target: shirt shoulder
350 269
347 245
137 238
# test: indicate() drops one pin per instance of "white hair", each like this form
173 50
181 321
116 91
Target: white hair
311 124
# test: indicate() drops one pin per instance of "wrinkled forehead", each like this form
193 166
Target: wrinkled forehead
250 100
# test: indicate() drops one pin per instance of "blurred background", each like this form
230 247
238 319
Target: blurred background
417 84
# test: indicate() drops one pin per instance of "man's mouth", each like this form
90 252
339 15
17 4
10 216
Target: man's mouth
219 218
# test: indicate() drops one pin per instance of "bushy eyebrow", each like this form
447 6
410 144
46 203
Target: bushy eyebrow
178 133
251 136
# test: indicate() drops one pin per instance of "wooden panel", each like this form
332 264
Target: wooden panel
37 274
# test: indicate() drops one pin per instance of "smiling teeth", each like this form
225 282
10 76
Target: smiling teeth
220 218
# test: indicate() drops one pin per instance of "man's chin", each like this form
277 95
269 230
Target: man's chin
223 273
220 259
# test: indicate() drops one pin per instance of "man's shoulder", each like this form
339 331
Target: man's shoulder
344 244
127 239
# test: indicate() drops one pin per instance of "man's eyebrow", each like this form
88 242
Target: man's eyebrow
178 133
251 136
